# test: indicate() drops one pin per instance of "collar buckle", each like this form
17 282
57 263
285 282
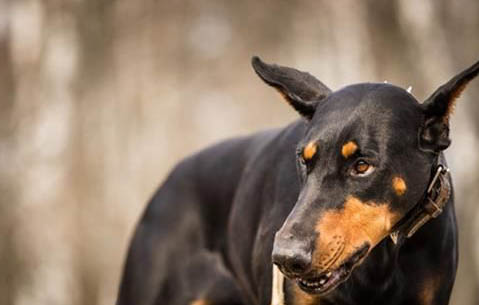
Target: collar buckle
437 192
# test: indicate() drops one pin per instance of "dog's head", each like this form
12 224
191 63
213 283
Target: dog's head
364 161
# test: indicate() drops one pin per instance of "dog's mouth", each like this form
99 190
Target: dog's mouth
328 280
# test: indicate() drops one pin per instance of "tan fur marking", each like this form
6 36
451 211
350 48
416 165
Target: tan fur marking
310 150
452 101
428 290
399 186
302 298
349 149
285 96
200 302
342 232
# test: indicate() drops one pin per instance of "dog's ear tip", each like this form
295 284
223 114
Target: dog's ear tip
442 101
300 89
261 69
439 107
256 61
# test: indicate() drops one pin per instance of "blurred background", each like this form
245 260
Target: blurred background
100 98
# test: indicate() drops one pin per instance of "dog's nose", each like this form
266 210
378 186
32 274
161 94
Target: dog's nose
292 257
293 262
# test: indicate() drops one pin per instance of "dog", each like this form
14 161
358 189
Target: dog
352 204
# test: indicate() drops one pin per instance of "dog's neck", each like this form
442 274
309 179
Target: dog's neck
380 270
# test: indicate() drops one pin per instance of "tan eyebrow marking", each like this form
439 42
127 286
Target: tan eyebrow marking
349 149
399 186
310 150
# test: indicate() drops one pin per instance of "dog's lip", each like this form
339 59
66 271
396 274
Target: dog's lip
328 280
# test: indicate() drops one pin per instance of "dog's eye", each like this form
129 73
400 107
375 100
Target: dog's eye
362 168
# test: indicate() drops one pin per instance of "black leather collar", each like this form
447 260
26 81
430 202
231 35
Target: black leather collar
430 206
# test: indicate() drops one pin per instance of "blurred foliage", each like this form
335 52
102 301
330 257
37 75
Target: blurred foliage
99 98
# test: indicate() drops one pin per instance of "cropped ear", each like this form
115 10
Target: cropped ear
439 107
300 89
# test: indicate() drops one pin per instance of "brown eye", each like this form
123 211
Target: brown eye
362 168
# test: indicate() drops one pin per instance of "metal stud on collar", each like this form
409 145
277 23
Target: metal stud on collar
394 237
441 169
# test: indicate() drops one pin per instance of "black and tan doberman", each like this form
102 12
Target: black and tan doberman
346 202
